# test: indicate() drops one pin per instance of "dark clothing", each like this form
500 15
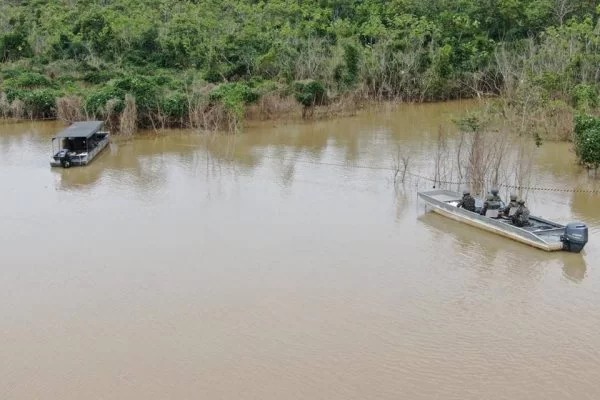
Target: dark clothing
467 202
521 217
495 203
511 205
492 203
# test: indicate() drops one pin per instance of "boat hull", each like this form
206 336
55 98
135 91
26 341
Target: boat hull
489 228
443 203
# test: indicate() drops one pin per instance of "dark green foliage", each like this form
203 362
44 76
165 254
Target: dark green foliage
587 140
585 96
98 77
234 96
14 45
310 93
175 105
146 49
13 94
26 79
96 99
157 50
143 88
346 74
94 29
40 103
68 47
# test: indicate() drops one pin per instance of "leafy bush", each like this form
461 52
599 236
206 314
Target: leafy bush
67 47
346 74
14 45
12 94
40 103
310 93
26 79
142 88
98 77
97 99
587 140
175 105
234 96
585 96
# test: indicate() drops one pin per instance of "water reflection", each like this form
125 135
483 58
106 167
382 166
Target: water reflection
487 249
574 267
472 242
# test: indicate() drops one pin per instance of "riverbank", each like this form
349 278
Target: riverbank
213 65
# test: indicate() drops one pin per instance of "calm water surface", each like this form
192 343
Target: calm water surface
184 266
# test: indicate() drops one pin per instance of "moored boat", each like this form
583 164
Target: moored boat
79 144
540 233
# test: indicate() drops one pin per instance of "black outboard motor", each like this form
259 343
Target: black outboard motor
65 160
575 237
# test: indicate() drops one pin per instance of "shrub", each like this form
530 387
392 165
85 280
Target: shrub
98 77
143 88
27 79
346 74
234 96
175 105
585 96
96 100
587 140
310 93
14 45
13 94
40 103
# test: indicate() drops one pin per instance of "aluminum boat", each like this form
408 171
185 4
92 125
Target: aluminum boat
540 232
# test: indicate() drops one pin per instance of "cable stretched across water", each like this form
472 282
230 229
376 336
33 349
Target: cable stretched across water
433 180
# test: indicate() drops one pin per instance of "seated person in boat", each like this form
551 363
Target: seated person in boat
467 202
521 216
511 208
495 196
492 202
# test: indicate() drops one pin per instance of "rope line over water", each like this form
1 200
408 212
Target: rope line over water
434 180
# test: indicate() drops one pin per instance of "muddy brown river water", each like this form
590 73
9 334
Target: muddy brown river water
183 266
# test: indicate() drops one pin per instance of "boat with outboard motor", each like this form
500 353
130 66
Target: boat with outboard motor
540 233
79 144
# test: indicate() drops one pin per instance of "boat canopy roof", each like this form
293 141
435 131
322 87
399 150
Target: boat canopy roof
83 129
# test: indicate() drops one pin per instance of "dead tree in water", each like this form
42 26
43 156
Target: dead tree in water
488 158
473 138
400 166
441 158
128 120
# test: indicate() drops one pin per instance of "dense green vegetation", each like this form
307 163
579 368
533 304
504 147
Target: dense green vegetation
587 140
201 62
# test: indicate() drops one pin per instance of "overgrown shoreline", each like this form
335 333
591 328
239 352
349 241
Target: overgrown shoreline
211 65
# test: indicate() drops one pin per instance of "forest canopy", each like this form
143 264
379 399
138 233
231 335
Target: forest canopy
166 52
